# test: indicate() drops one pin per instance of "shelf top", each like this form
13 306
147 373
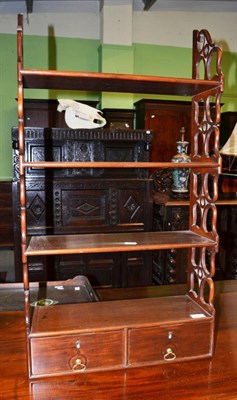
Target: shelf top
114 242
115 315
108 82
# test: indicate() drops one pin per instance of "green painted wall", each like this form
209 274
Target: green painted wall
162 60
229 68
71 54
90 55
117 59
8 90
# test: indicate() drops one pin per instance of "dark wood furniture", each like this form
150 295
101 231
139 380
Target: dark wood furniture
123 334
228 121
228 181
213 379
170 214
122 118
6 215
6 226
77 200
165 118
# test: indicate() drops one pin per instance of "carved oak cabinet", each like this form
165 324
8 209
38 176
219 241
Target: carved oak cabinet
85 200
67 339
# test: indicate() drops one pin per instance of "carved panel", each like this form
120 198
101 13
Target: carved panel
78 205
87 205
45 144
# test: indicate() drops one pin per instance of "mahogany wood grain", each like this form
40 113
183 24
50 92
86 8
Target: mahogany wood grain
107 82
130 241
108 164
101 316
207 379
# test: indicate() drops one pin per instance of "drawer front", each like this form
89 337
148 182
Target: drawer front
60 354
169 343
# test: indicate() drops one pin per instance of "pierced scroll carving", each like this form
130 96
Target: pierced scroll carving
204 185
200 277
204 52
207 57
205 145
205 195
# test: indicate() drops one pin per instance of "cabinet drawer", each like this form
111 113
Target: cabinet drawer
59 354
169 343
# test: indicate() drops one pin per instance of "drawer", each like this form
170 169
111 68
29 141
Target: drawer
60 354
169 343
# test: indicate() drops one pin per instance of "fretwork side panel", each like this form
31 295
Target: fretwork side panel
204 185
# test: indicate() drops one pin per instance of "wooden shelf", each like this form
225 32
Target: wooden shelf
106 164
106 82
114 242
66 339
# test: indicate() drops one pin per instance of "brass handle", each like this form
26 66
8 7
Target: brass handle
78 362
169 355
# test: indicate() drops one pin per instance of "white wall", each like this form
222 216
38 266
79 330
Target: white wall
74 25
175 28
162 28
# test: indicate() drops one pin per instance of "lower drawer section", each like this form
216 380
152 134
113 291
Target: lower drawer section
74 353
72 338
169 343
